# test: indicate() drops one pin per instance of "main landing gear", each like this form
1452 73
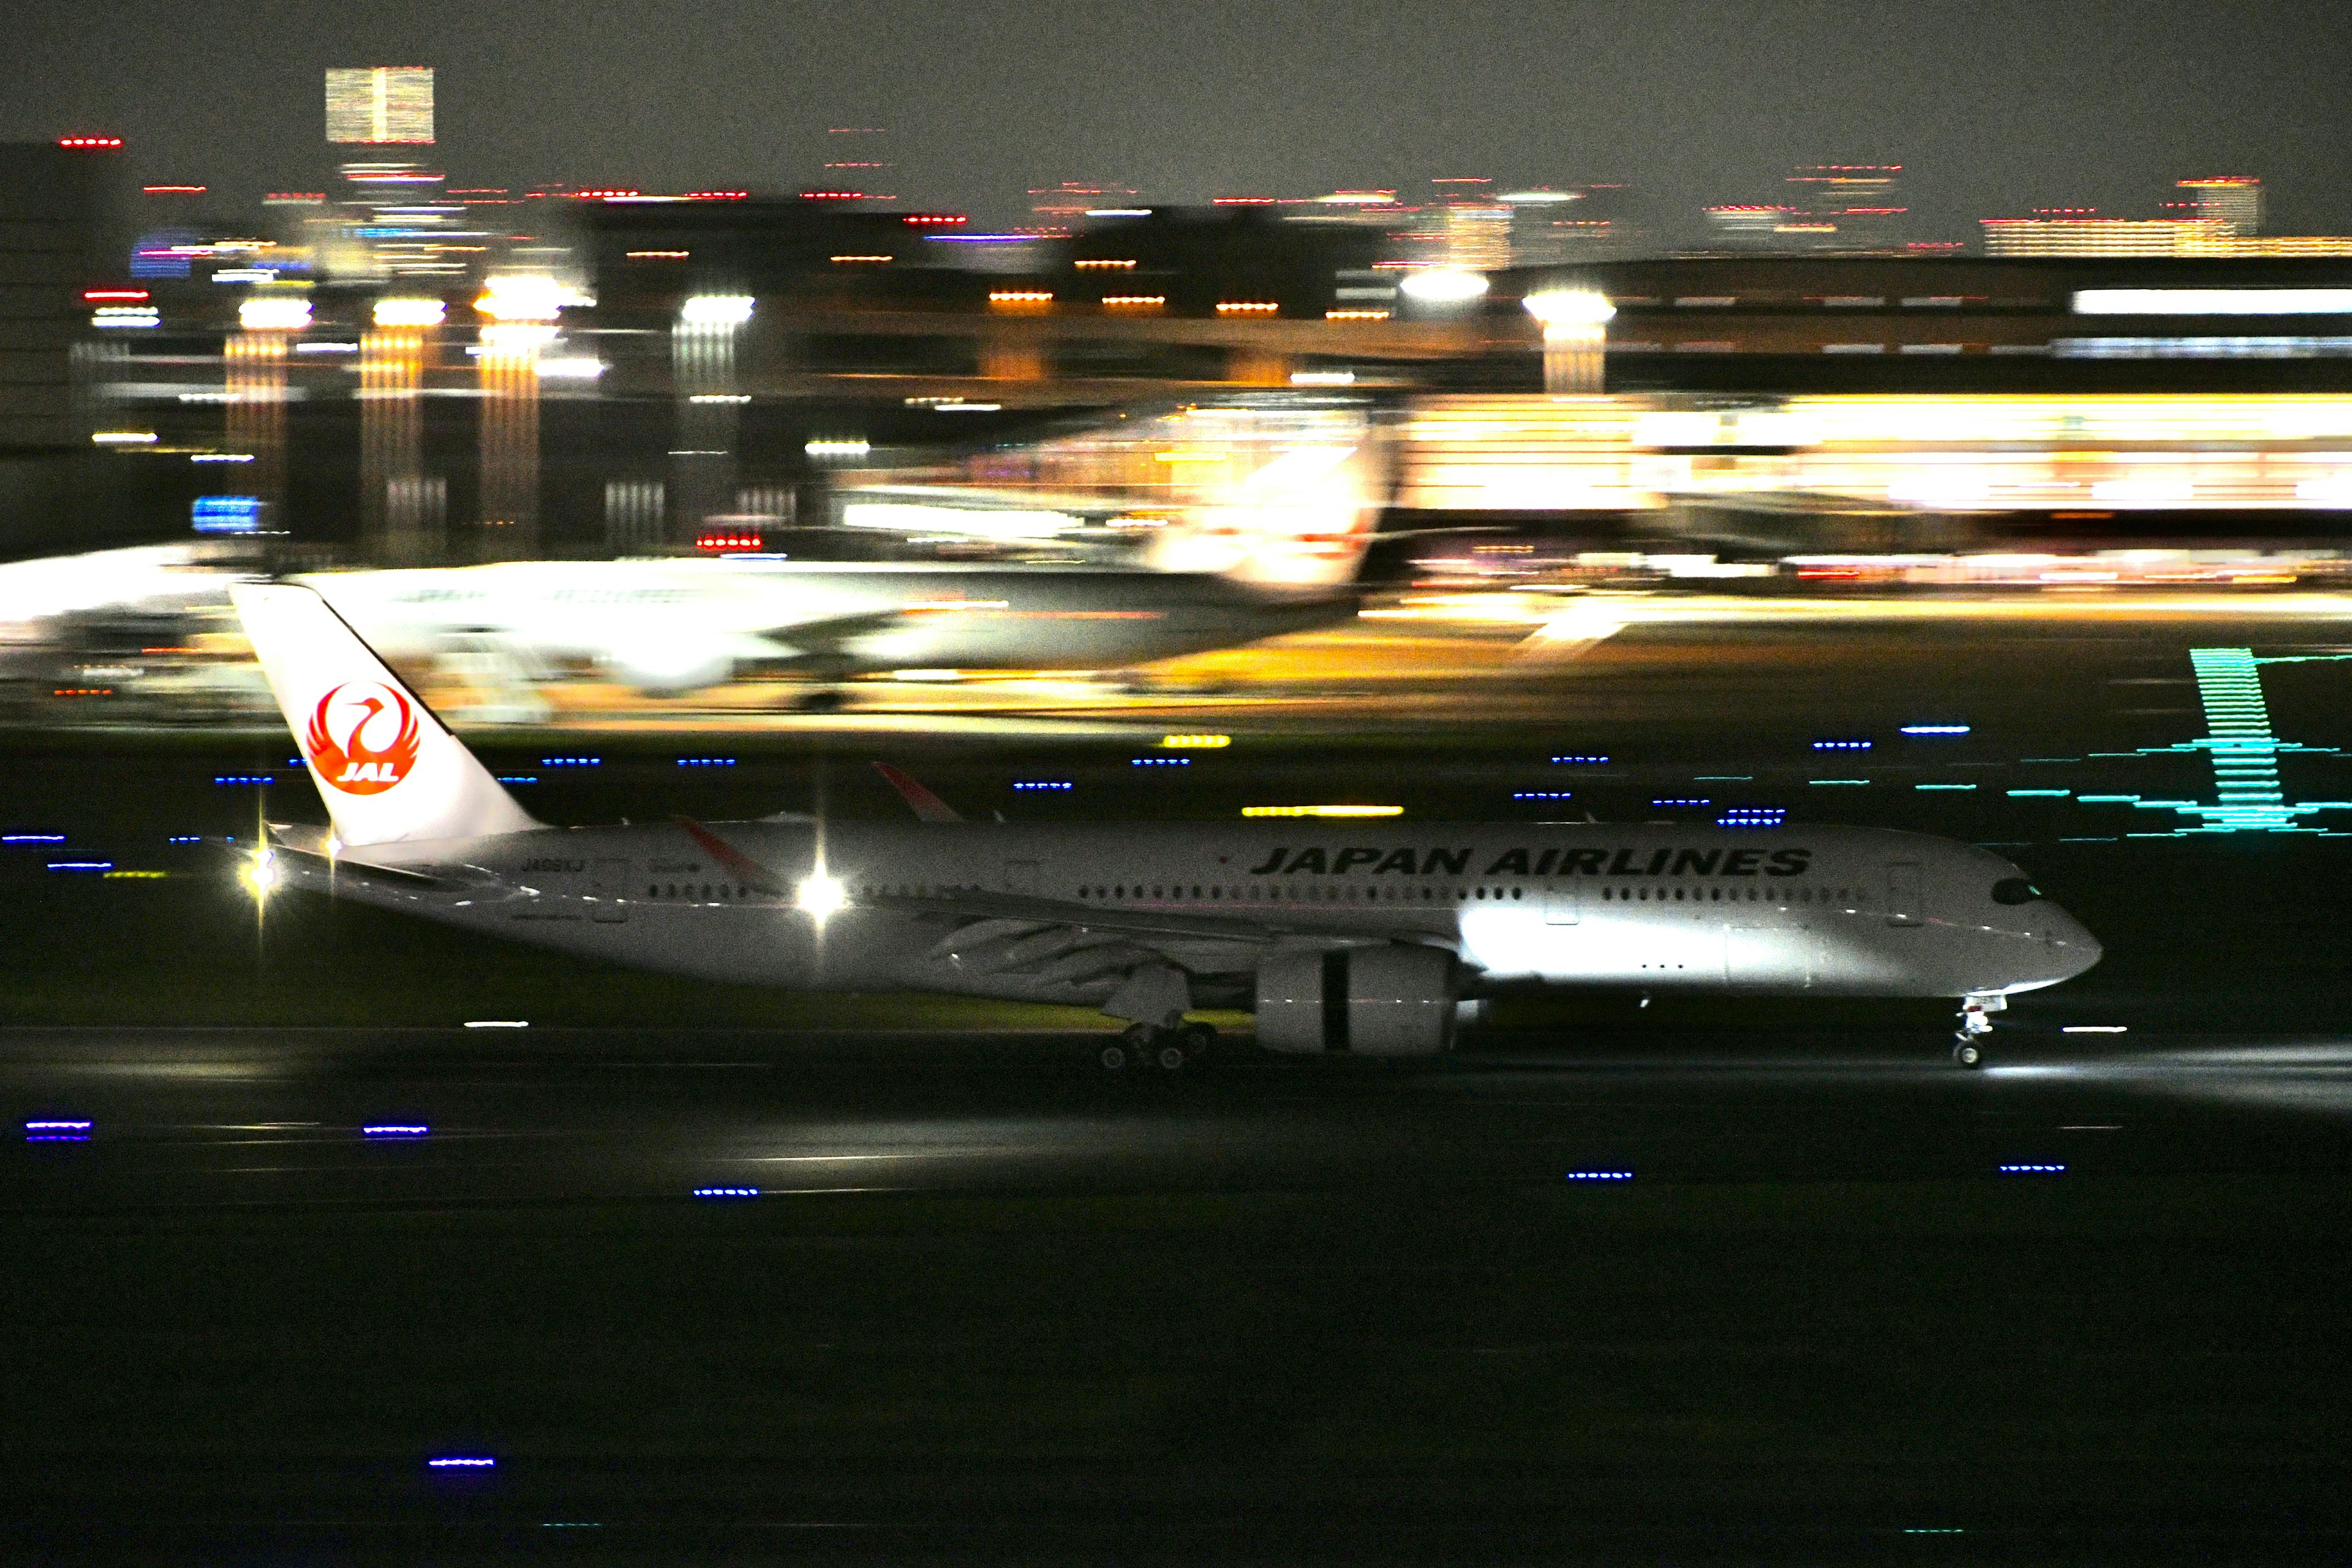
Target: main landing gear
1147 1048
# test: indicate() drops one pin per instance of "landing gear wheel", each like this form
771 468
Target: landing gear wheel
1968 1053
1171 1058
1114 1058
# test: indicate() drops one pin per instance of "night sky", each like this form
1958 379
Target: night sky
1993 107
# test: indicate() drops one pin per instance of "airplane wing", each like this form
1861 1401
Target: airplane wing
1258 928
830 637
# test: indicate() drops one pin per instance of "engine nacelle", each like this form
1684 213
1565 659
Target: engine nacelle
1387 1001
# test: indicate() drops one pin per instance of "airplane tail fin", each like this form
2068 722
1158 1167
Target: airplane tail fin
388 769
920 801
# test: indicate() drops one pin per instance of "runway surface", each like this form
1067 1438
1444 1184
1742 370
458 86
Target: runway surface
986 1303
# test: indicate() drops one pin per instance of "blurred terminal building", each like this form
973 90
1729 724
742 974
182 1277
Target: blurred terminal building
390 369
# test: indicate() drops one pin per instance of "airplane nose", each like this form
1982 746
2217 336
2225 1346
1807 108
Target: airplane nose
2078 950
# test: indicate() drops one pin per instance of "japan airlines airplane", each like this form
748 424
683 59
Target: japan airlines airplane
1344 937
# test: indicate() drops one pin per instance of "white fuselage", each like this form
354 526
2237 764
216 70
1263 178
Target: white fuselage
671 626
1837 911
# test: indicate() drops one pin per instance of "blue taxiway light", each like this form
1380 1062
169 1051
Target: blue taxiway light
1600 1175
726 1192
1943 786
57 1131
245 778
1681 800
570 762
185 838
1542 795
1935 729
518 778
461 1462
1043 784
395 1130
1160 762
1840 745
705 762
2028 1170
82 865
1588 760
32 839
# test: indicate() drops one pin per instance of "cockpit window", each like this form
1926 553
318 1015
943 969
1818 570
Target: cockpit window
2014 890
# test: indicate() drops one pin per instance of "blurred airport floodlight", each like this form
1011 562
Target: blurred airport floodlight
716 309
527 297
1443 286
1575 334
1569 307
399 313
274 314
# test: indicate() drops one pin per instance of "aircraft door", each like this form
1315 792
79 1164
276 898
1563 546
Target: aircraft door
1903 894
1560 902
608 890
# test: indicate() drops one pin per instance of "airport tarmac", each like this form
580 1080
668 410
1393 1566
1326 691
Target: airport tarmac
1841 1294
987 1304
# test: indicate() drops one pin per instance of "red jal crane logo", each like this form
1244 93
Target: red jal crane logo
362 711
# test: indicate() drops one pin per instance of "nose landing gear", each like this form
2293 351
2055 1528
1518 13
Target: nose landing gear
1976 1024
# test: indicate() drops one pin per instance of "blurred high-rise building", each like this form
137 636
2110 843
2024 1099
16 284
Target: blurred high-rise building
1748 227
55 207
1473 228
2205 225
378 105
1064 208
2234 201
859 161
1846 207
1538 220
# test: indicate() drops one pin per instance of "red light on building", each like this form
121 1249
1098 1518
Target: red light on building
727 541
113 296
832 196
718 195
90 143
171 190
922 220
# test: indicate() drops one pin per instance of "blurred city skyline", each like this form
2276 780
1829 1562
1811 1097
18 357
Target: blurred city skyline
1991 109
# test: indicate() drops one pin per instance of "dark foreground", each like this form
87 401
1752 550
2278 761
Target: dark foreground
986 1306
